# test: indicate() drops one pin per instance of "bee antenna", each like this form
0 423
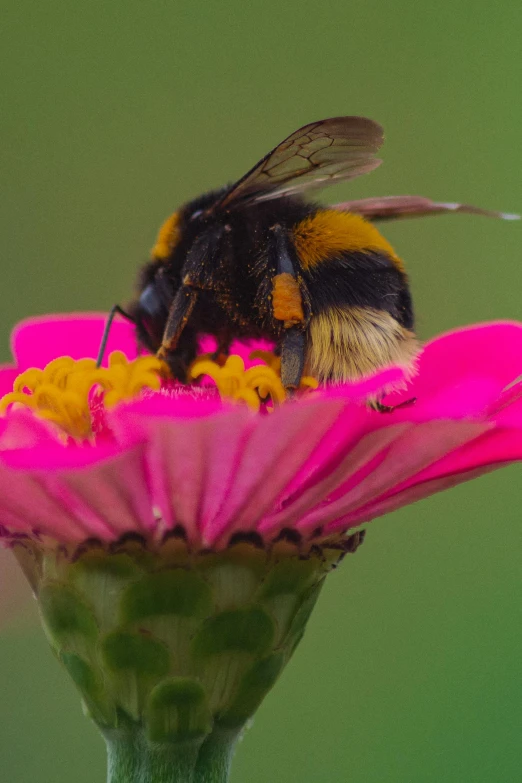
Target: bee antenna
103 345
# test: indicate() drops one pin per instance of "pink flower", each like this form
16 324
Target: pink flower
319 465
177 540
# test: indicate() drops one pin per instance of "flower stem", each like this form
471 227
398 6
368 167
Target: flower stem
131 759
123 761
215 757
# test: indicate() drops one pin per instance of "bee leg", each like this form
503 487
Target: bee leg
287 306
293 349
222 351
179 313
378 406
186 351
107 330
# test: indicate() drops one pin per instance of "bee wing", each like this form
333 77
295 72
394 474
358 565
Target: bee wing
396 207
316 155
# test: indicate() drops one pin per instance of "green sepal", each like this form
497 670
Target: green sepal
234 575
173 651
252 690
292 576
171 592
67 618
91 687
134 663
177 711
298 623
104 579
249 630
283 591
118 566
140 653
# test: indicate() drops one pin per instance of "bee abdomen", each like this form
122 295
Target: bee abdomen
361 311
345 343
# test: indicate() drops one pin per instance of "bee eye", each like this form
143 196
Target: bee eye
152 314
150 303
196 214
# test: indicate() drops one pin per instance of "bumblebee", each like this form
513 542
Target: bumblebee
253 259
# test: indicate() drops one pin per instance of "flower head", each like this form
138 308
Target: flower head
146 459
177 536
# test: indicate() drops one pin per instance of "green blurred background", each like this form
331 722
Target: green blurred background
115 112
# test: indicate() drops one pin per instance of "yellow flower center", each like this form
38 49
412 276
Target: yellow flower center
66 391
258 383
63 391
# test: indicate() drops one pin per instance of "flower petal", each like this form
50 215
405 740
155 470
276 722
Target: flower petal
21 429
184 479
495 448
275 450
37 341
494 349
362 454
413 450
73 494
7 378
325 461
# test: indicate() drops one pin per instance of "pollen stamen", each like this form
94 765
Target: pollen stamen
252 386
236 383
70 393
65 390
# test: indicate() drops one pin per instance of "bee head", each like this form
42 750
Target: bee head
161 278
150 310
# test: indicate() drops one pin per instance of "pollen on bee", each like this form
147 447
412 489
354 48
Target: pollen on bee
286 299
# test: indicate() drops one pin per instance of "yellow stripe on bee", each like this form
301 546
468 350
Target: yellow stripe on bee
347 343
329 232
168 237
